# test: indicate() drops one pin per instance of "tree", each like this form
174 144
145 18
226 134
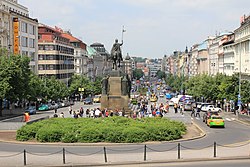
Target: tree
174 82
137 74
160 74
14 74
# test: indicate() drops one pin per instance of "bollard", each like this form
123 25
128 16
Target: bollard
145 153
179 151
105 154
63 155
214 149
24 157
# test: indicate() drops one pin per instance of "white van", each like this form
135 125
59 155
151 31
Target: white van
173 101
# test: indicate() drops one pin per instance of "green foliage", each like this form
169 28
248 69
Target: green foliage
112 129
78 81
175 82
160 74
28 132
50 133
137 74
217 87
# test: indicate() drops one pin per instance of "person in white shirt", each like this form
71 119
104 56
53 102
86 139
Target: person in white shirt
97 113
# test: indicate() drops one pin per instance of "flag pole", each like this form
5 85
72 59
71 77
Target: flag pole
123 30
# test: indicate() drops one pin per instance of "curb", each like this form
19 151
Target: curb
202 134
169 162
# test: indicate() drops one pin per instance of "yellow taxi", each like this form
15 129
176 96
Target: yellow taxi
97 99
215 120
153 98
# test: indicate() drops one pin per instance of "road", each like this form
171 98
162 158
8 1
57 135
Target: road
221 163
225 137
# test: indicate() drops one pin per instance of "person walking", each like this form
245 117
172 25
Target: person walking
193 112
175 108
70 109
198 112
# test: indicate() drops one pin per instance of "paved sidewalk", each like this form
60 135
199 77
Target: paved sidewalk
123 157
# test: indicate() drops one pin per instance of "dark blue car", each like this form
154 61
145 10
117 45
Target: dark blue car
88 101
31 110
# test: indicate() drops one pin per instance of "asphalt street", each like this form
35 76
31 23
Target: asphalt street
229 139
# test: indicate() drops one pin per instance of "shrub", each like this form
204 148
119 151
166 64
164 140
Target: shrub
111 129
134 135
49 133
28 132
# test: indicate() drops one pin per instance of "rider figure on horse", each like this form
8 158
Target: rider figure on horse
116 54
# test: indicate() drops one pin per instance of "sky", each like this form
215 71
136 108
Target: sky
154 28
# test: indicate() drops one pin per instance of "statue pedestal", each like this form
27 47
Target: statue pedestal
115 99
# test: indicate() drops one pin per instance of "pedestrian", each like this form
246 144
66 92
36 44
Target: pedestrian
182 109
198 112
81 112
26 117
70 109
87 112
175 108
193 112
55 110
61 115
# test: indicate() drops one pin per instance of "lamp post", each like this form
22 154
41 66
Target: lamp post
239 96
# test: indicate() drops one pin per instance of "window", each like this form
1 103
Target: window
40 47
32 56
24 27
49 47
32 43
24 53
24 41
32 29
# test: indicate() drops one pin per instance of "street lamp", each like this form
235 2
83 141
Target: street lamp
239 96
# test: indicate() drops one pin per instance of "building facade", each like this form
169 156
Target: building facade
55 54
242 54
19 32
80 53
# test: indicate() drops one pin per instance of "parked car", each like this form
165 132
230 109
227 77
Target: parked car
31 110
188 106
65 103
54 105
88 101
43 107
97 99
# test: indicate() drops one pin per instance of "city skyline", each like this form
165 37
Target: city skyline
154 28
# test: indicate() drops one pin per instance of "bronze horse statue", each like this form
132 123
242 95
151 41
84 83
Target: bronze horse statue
116 54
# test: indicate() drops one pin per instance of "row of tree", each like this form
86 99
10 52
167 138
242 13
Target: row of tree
219 87
18 82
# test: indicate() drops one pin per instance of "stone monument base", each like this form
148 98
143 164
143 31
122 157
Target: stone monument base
115 99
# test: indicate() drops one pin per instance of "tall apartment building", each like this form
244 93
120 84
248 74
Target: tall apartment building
18 32
102 65
228 54
242 42
55 54
128 65
202 58
80 53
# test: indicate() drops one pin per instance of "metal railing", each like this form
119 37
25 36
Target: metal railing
145 149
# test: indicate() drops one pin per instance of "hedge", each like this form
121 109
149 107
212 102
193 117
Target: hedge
111 129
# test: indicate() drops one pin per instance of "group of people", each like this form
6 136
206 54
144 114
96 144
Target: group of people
95 113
